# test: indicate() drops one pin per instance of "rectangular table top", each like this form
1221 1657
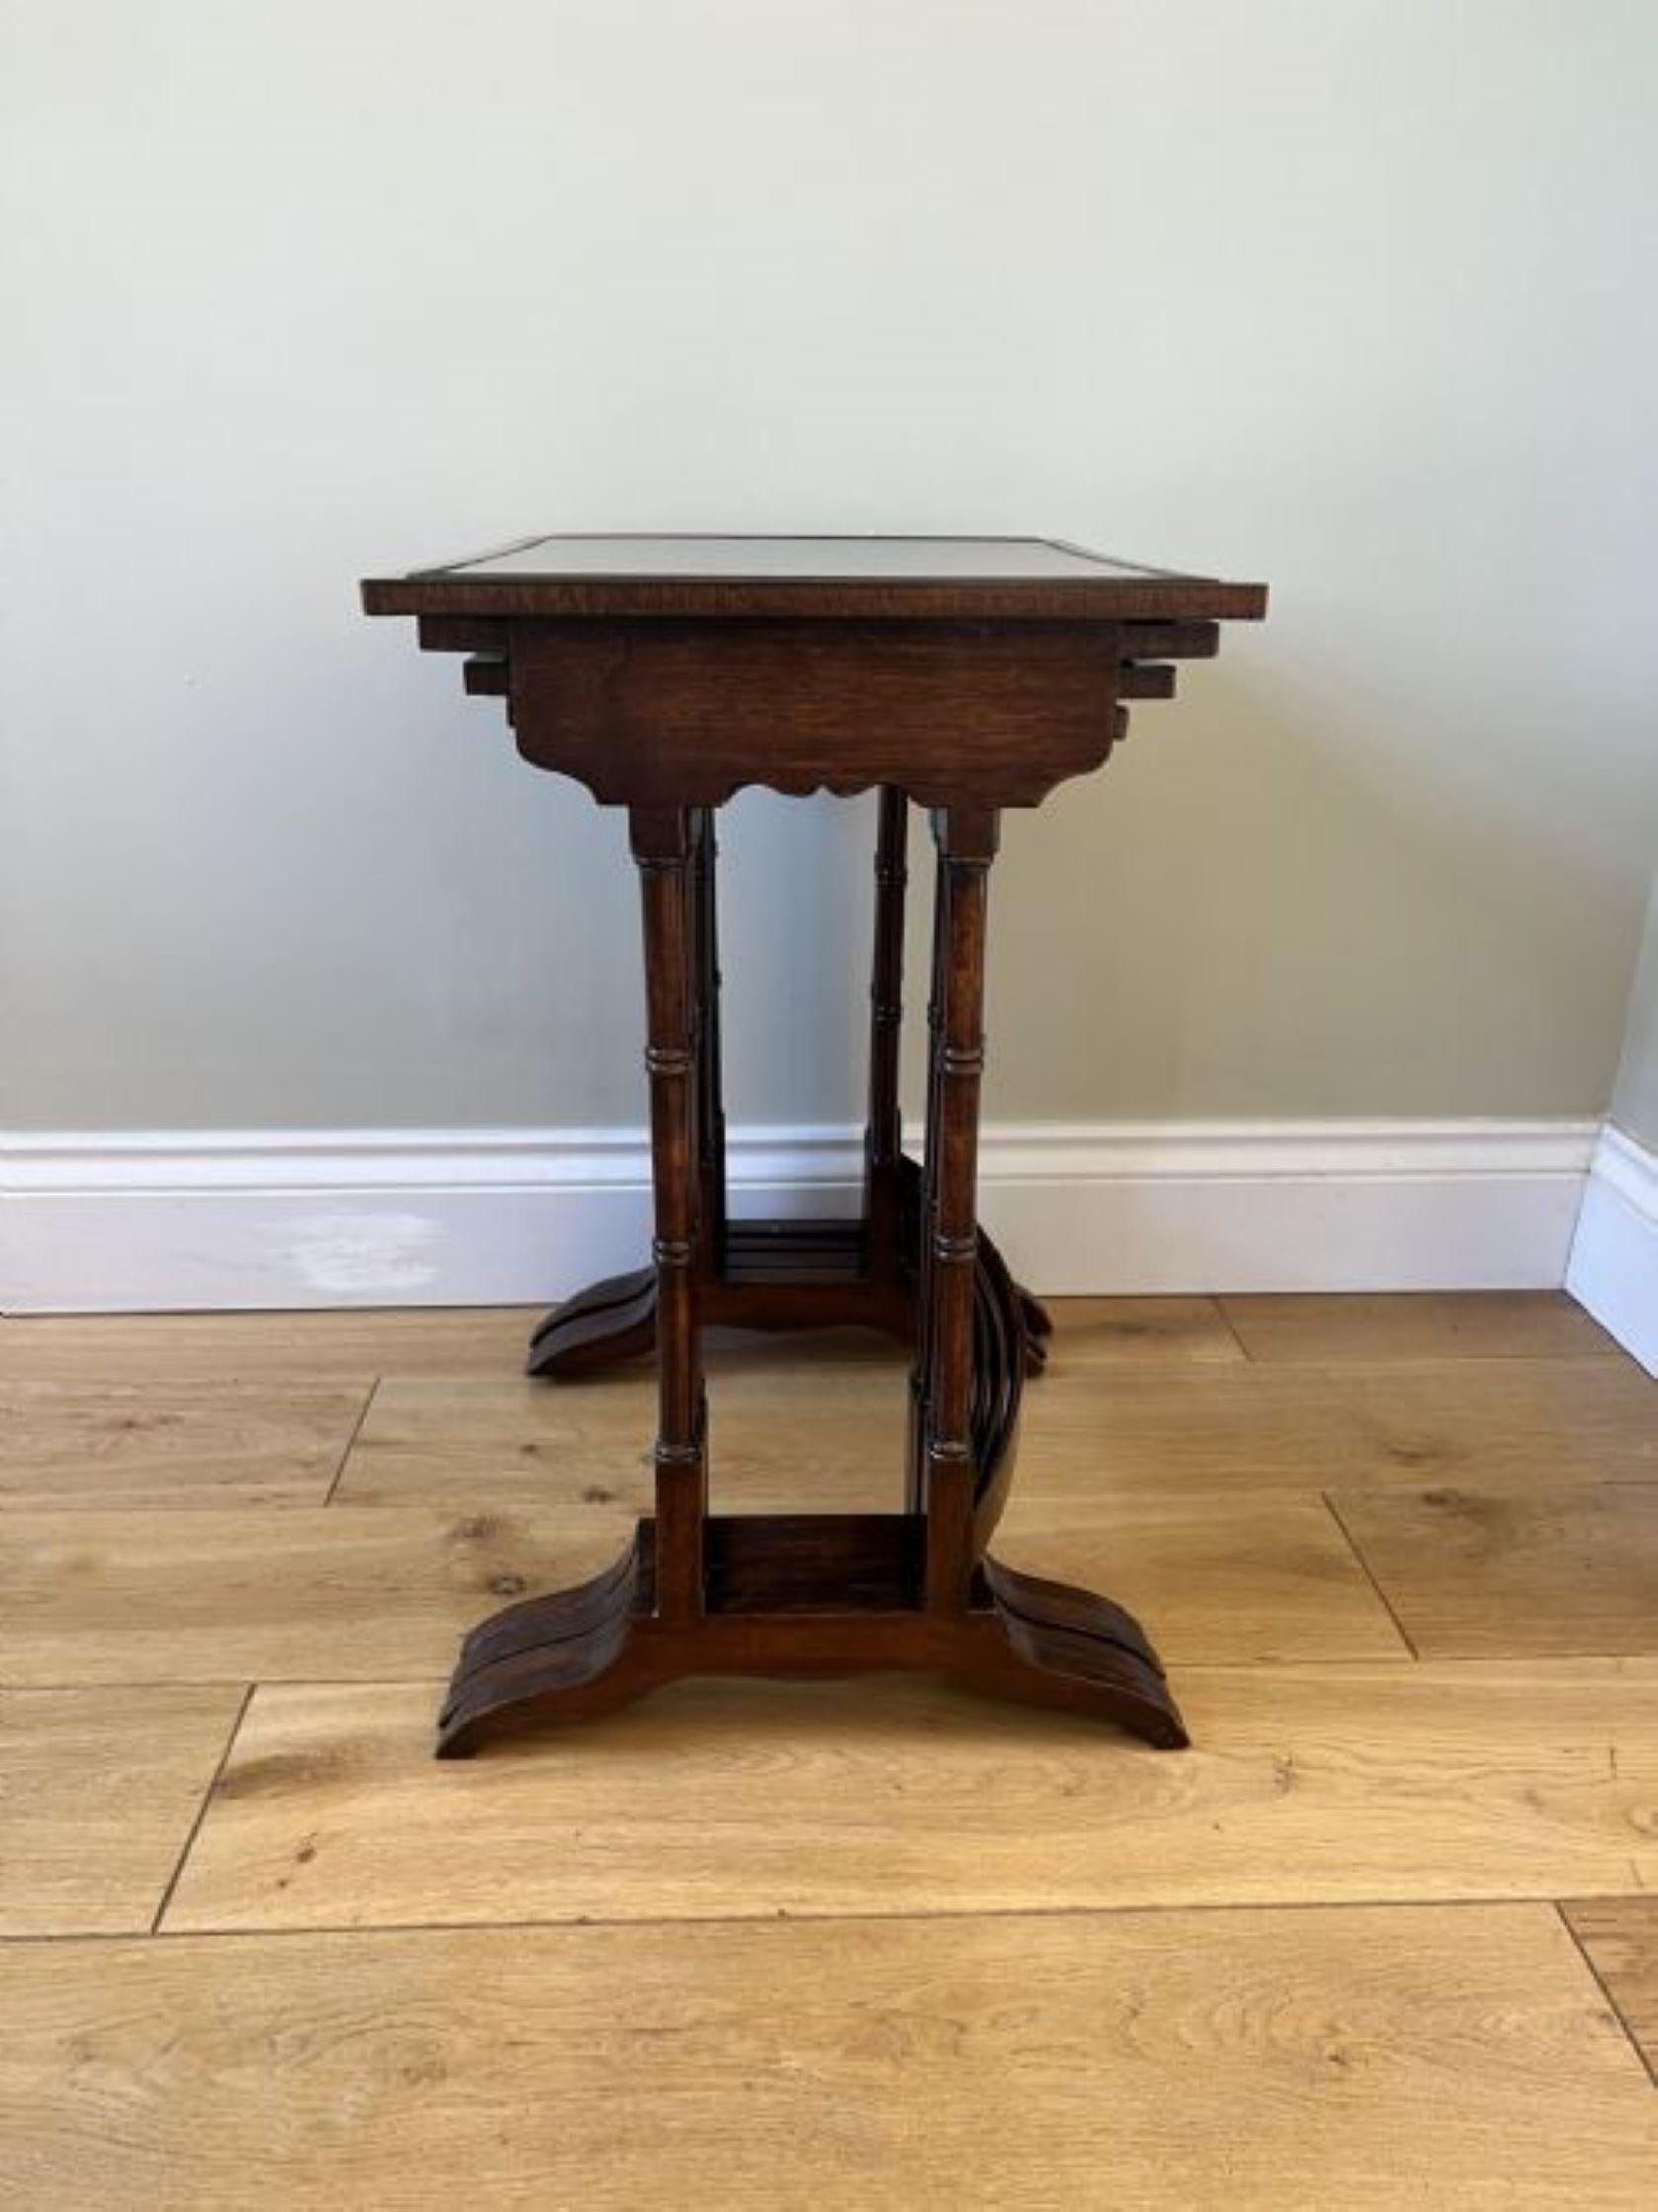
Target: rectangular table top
906 577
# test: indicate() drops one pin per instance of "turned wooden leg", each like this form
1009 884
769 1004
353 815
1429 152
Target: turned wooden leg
711 1111
577 1652
782 1274
616 1320
662 845
884 1132
967 843
926 1211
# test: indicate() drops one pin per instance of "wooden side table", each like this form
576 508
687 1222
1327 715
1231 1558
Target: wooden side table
963 675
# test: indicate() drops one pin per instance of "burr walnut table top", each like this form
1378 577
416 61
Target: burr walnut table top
672 670
909 577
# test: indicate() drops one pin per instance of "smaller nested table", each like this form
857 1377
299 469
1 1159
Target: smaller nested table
959 675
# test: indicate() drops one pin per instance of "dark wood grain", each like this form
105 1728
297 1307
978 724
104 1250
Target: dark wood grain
661 849
884 1130
485 675
963 675
1028 579
647 713
967 843
705 1025
803 1596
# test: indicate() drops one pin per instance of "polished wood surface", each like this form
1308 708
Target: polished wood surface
999 1940
931 578
963 675
1365 2058
692 556
648 713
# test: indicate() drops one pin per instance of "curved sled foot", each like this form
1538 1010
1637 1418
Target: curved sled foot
803 1595
1067 1648
601 1327
560 1656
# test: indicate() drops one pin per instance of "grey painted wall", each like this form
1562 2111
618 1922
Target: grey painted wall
1357 298
1635 1100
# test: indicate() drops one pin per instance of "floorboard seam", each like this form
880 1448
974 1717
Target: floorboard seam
784 1917
351 1441
1649 2065
1369 1574
1233 1331
201 1809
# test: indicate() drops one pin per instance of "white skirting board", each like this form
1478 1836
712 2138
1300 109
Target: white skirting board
1614 1265
204 1220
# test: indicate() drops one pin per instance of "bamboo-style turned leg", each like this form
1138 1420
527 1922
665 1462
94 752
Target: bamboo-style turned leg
781 1274
820 1593
662 847
884 1132
967 843
926 1214
711 1118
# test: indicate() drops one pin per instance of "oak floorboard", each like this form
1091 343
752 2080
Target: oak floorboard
340 1344
1484 1573
1311 1329
808 1435
864 1940
307 1593
237 1595
1138 1332
1620 1937
1289 2062
1471 1423
786 1438
171 1444
1332 1783
99 1791
1265 1575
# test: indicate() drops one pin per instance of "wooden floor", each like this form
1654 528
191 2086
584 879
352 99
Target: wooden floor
1387 1937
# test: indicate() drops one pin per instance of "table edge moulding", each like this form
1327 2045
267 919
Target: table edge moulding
959 675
